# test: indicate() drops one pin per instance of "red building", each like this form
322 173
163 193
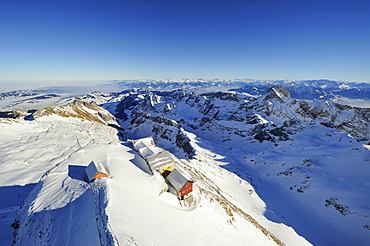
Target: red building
182 187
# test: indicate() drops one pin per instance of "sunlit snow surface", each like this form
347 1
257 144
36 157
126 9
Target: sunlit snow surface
316 185
297 179
43 164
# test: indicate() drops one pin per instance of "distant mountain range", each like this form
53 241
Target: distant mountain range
300 89
312 89
273 163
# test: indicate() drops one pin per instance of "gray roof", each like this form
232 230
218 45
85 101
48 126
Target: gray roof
177 180
160 160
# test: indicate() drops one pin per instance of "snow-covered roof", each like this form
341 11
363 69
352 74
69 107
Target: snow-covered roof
149 151
101 169
146 146
143 142
177 180
93 168
160 160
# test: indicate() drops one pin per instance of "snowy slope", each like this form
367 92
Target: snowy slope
318 183
40 148
309 160
43 169
267 169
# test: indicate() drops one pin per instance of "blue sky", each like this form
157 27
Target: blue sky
121 39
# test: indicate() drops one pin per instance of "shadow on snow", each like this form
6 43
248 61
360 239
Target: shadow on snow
77 172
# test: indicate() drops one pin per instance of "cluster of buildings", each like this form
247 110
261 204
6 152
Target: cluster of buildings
158 160
162 162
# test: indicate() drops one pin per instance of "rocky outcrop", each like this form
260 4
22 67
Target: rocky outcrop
78 109
228 116
277 92
166 133
19 113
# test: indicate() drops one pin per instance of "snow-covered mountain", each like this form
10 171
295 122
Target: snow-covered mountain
44 159
311 89
200 85
341 91
302 156
299 89
267 169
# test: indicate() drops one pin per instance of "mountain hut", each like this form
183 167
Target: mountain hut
182 187
95 171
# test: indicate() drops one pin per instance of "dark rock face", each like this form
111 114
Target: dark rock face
7 114
277 92
227 116
263 135
183 142
143 116
128 103
281 89
18 113
227 96
164 130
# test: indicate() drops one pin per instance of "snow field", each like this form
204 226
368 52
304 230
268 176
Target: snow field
45 148
318 165
127 208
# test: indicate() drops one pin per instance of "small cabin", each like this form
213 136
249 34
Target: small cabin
181 185
95 171
161 162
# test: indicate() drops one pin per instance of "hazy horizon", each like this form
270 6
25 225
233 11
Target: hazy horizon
104 85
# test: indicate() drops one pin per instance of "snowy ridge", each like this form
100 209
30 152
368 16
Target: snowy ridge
274 142
268 170
356 94
124 209
270 117
45 213
300 89
78 109
311 89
